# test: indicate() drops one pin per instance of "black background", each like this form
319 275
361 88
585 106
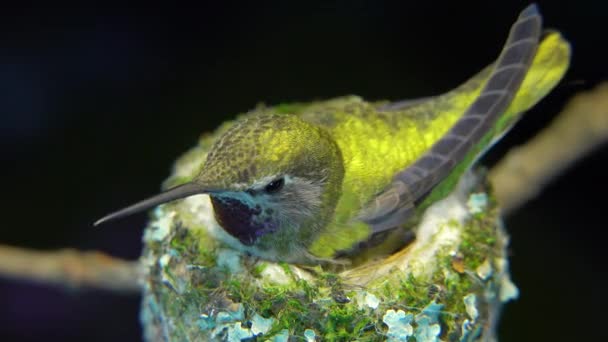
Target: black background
96 103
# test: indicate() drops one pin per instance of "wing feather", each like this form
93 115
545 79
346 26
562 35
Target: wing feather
396 203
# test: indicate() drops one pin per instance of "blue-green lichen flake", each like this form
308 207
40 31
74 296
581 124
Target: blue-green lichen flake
229 259
282 336
431 311
235 332
228 325
261 325
160 228
508 290
477 202
470 304
426 331
310 335
427 321
399 325
206 322
470 331
371 300
231 316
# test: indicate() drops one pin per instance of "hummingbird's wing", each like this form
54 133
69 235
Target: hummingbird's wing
396 203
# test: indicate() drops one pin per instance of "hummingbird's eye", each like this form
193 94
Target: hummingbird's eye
274 186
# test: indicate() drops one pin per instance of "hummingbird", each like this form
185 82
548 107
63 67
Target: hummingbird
303 182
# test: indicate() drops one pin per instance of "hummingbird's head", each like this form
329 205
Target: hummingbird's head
278 177
272 179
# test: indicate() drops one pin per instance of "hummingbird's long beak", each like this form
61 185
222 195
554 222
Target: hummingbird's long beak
175 193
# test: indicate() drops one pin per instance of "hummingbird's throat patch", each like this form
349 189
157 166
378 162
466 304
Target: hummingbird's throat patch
242 221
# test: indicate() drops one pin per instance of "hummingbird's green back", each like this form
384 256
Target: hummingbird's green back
379 140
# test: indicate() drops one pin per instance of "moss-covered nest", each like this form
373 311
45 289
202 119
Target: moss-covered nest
448 284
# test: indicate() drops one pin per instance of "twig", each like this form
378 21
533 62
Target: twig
70 267
579 128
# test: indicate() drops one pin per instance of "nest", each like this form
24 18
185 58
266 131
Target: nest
448 284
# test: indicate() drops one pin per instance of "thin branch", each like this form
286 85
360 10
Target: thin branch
72 268
579 129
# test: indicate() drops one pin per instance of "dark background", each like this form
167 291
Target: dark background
96 103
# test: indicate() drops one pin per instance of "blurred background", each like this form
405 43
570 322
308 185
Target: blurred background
96 103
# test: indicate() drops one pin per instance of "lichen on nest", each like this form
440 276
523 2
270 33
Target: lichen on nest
449 284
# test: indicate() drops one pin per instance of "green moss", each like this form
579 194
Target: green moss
327 305
258 268
479 238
